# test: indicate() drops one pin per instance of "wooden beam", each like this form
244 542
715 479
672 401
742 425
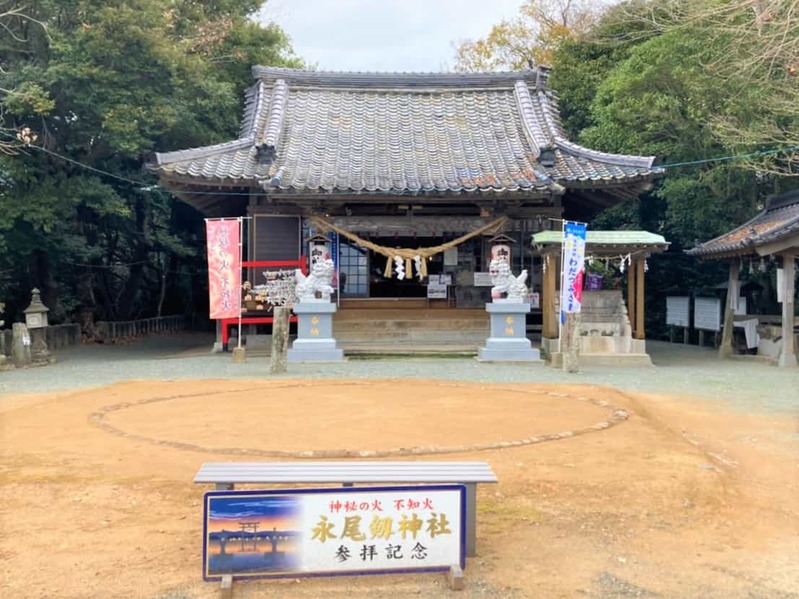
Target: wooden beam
788 355
640 333
550 318
733 292
631 311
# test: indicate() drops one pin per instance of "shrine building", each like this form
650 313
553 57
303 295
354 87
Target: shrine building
434 164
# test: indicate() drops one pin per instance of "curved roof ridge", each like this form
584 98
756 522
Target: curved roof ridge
608 157
203 151
782 200
253 107
270 135
535 136
404 79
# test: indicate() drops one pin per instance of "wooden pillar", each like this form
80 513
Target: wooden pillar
550 319
788 355
726 349
640 333
631 311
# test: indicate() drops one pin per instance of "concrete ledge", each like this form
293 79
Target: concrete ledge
487 354
556 360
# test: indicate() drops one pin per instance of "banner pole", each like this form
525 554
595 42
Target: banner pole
560 300
241 260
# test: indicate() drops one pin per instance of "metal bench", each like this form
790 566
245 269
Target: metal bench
225 475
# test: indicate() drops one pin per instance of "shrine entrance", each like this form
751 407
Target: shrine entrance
362 271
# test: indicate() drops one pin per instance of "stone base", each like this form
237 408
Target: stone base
508 341
315 350
556 360
239 355
315 342
508 350
608 351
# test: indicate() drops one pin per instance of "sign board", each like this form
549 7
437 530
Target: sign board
534 301
483 279
333 531
740 309
707 313
451 256
436 291
678 310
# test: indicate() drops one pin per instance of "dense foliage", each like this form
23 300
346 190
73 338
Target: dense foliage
686 81
104 83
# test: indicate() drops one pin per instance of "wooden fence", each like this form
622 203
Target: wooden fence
110 331
63 335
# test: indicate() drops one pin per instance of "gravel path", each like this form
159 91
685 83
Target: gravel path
685 371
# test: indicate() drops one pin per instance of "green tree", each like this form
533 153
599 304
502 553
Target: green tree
529 39
104 83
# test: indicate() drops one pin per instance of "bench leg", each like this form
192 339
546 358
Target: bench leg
471 519
224 486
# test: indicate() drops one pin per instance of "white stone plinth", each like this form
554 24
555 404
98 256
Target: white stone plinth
508 341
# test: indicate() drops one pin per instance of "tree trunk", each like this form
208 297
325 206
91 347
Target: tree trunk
280 340
140 259
87 303
47 283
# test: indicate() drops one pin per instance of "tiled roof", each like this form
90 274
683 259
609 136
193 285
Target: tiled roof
621 241
310 132
778 221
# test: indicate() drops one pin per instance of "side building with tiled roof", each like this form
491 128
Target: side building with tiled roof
774 232
403 160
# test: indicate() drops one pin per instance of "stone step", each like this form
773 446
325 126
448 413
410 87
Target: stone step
407 325
413 336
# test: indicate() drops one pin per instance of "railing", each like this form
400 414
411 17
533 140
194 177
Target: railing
63 335
111 331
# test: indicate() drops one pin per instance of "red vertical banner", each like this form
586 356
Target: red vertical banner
224 268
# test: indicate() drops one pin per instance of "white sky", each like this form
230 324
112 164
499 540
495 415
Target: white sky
384 35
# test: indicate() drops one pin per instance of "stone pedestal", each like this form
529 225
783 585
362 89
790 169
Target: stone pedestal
508 341
315 341
20 345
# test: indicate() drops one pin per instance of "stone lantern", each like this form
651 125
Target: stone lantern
36 321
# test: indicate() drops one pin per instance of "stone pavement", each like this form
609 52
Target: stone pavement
679 370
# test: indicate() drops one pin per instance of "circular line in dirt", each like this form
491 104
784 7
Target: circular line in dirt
99 419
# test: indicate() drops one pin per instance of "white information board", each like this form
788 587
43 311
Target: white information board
678 311
707 313
483 279
436 291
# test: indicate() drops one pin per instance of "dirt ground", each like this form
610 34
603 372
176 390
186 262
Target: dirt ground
675 501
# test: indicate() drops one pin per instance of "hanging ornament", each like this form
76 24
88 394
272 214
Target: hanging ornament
762 267
646 265
545 264
590 260
417 262
399 267
621 265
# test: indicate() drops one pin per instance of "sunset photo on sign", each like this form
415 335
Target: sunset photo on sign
249 535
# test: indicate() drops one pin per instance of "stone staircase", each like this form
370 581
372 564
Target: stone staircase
403 328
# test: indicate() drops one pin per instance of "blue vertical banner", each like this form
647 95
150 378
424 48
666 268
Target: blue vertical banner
333 236
573 268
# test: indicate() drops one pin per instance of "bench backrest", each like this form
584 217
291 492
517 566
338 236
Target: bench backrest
345 472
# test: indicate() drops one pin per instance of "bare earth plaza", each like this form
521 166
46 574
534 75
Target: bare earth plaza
523 327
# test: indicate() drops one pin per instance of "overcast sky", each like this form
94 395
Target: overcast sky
384 35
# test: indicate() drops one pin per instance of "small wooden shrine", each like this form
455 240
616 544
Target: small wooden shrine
611 332
774 232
